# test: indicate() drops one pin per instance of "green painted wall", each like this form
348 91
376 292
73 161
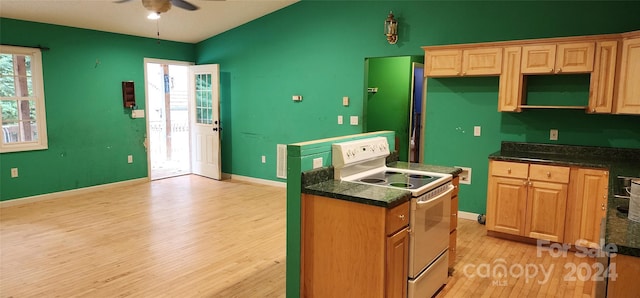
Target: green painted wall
388 109
317 49
90 132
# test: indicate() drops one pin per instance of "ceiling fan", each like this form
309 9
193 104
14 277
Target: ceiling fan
160 6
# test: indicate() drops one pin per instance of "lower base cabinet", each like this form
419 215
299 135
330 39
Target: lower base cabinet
625 283
554 203
352 249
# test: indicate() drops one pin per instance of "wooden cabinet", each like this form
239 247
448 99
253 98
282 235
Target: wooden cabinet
527 200
351 249
453 224
443 63
511 86
602 78
612 60
628 91
468 62
625 284
482 62
558 58
586 207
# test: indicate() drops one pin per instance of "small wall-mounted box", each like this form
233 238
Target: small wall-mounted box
137 113
465 176
297 98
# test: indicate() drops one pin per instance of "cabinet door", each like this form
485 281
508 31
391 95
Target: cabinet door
602 77
477 62
397 267
575 57
588 205
442 63
628 98
546 206
506 205
538 59
511 86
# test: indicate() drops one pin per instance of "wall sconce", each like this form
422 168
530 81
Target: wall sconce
391 29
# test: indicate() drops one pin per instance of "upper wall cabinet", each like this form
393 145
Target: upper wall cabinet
628 96
560 58
611 60
468 62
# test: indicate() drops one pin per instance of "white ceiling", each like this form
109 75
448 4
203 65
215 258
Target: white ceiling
213 17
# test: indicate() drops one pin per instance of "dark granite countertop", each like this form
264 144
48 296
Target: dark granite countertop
622 232
320 182
427 168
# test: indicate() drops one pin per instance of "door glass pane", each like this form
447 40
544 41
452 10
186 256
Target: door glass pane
203 99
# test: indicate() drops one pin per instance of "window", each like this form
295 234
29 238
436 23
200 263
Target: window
22 100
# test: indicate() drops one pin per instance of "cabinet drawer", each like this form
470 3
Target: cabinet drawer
509 169
453 224
397 218
549 173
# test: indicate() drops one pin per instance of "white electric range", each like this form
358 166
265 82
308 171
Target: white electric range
364 161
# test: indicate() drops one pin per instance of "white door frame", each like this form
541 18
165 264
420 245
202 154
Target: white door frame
146 104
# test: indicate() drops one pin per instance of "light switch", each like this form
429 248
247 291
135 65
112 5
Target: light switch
353 120
345 101
476 131
339 119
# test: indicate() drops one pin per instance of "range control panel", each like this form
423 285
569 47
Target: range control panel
353 152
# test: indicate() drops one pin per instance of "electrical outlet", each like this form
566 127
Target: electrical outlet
264 159
317 162
130 159
14 172
553 135
340 119
353 120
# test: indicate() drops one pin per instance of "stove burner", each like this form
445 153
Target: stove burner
372 180
400 184
393 173
416 176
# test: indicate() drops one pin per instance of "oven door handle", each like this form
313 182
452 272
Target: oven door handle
425 204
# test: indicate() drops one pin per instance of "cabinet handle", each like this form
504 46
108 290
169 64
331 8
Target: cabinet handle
401 216
550 69
602 206
548 174
509 170
530 183
526 182
593 110
559 70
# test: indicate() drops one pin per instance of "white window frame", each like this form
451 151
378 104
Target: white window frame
38 97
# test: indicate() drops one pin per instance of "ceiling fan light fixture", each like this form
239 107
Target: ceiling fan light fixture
153 16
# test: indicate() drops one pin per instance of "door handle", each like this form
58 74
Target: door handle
215 129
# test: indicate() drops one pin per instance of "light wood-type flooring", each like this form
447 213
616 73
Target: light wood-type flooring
190 236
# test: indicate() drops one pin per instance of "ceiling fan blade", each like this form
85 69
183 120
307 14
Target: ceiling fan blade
184 4
122 1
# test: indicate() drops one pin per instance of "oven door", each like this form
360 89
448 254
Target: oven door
429 224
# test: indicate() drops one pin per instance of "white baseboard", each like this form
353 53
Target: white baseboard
56 195
254 180
467 215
